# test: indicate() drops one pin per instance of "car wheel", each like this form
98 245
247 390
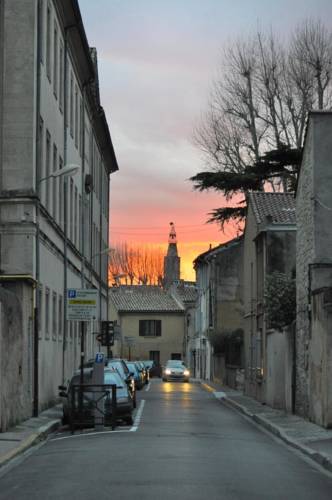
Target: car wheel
129 420
64 419
164 380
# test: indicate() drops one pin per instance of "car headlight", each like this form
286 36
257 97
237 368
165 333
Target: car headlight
186 373
167 371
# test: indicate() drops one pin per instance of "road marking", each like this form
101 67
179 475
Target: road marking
207 387
138 417
87 434
134 428
147 388
220 395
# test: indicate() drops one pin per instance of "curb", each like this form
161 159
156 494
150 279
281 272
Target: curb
36 437
319 457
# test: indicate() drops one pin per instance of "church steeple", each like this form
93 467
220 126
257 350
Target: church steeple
172 234
171 260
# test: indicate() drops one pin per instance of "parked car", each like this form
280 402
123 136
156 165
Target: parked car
144 370
121 366
70 396
124 398
175 370
154 369
138 375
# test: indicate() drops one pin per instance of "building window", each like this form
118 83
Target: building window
76 116
71 109
40 151
41 30
61 76
60 319
47 313
150 327
81 128
80 243
40 310
155 356
61 193
48 42
71 210
55 61
75 215
54 181
54 316
47 169
176 355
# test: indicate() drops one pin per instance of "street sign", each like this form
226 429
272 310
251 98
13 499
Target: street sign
99 358
129 340
82 304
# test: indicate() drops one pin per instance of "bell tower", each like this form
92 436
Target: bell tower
171 260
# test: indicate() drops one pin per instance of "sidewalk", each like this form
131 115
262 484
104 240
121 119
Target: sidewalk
312 440
28 433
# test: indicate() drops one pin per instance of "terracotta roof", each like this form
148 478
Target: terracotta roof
186 293
143 298
273 208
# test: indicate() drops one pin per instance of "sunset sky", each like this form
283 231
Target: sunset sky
157 61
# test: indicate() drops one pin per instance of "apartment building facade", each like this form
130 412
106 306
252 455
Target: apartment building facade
53 226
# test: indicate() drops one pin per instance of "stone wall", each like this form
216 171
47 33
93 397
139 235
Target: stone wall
15 354
304 255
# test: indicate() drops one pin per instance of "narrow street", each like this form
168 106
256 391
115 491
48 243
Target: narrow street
184 444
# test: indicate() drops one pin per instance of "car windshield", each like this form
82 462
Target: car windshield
119 367
132 367
111 377
175 363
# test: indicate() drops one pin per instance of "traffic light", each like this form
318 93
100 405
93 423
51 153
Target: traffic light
106 337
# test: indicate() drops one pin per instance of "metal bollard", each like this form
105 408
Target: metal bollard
113 406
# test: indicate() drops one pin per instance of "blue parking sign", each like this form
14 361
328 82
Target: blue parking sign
71 294
99 357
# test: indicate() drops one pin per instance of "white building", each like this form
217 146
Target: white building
53 230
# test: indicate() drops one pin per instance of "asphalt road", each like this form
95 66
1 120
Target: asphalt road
184 445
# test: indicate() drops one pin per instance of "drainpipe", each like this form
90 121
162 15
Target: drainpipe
65 200
37 210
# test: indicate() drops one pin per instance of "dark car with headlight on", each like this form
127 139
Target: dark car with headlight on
175 370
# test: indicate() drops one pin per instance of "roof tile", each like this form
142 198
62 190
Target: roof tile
279 206
143 298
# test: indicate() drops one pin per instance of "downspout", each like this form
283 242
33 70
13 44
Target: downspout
100 242
65 201
37 210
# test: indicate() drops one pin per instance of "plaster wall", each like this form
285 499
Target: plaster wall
314 259
276 346
249 303
18 93
15 353
170 341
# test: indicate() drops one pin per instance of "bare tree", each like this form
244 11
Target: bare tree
133 264
253 130
311 48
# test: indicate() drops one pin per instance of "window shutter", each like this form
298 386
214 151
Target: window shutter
141 328
158 328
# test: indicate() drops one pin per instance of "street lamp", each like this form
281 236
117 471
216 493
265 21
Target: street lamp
66 171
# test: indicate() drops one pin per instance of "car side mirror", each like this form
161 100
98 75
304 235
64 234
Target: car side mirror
63 394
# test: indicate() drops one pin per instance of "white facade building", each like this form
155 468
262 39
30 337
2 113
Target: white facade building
53 230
